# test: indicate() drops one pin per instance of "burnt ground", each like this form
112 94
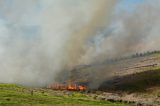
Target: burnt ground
138 82
142 89
126 68
134 80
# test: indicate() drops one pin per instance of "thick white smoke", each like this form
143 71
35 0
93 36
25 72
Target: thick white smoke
130 31
38 38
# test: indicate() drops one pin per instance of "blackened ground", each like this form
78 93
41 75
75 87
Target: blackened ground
138 82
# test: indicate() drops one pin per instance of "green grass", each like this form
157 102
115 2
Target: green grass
13 95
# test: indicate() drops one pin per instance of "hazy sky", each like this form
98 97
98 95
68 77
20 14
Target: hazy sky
30 27
128 5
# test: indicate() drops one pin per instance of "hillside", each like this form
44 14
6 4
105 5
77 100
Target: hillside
114 72
13 95
134 79
122 82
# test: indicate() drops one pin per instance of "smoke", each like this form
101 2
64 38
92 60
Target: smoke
80 37
42 37
130 31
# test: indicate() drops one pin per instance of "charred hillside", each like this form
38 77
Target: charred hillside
120 72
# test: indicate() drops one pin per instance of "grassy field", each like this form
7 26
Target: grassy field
13 95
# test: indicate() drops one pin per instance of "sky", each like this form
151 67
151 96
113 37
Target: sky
128 5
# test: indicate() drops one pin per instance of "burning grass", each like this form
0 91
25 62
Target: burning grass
70 86
13 95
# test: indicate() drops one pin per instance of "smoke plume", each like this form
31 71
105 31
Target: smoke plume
129 32
42 37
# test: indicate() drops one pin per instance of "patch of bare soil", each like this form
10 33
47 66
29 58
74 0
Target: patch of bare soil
149 98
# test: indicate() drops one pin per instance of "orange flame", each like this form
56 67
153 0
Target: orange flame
70 86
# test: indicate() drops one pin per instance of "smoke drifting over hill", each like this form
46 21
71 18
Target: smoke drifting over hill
42 37
129 32
39 38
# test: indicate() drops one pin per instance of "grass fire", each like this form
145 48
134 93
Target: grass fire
79 53
70 86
